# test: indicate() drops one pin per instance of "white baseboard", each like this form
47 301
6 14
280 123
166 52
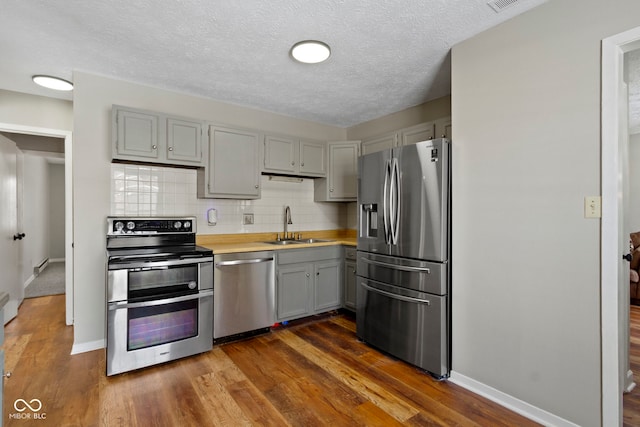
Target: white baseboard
87 346
516 405
29 280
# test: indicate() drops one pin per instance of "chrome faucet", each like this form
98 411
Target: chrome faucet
287 220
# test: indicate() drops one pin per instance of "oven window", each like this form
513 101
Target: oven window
149 326
162 281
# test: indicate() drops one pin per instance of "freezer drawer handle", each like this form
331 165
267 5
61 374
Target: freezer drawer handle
397 267
243 261
396 296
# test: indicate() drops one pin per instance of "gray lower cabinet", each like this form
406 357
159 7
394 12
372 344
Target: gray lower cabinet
350 282
309 281
151 137
232 170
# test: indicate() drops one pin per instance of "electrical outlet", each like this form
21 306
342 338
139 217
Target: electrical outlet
247 219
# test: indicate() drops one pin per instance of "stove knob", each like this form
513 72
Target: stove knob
177 225
186 224
119 226
131 225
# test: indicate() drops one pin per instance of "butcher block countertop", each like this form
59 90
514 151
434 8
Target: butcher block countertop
252 242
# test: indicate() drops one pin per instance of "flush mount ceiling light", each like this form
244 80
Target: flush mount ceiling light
310 51
52 82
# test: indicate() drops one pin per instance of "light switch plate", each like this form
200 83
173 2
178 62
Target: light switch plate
593 207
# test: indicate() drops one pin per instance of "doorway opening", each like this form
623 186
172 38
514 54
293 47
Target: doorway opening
27 136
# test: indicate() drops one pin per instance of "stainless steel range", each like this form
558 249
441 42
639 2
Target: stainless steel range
159 292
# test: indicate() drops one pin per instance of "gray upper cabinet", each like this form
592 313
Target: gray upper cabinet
291 156
443 127
380 143
232 170
341 183
151 137
417 133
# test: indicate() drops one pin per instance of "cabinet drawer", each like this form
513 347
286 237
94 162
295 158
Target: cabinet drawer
350 253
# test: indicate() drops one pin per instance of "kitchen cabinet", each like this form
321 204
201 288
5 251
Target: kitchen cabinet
350 281
417 133
341 183
443 127
151 137
380 143
232 170
308 281
291 156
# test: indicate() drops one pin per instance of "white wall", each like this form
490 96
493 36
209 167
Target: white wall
526 151
146 190
35 215
32 110
56 211
93 99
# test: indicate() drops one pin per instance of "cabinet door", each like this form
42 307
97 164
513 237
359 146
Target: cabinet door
280 154
293 291
328 278
184 141
343 171
380 143
443 127
350 285
413 134
233 169
312 158
136 134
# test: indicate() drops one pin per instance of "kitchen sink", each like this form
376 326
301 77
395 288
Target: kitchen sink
283 242
296 242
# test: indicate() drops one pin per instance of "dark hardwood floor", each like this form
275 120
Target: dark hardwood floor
632 400
310 374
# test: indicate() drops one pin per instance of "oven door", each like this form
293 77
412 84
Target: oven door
149 332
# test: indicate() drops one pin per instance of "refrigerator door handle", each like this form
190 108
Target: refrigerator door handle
396 266
385 201
395 296
394 194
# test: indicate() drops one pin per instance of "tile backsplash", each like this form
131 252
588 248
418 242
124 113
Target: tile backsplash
161 191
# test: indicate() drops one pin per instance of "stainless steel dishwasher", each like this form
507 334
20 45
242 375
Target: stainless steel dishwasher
244 297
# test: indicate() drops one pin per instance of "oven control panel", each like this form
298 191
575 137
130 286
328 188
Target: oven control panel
136 225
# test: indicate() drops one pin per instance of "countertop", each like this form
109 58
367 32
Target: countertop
252 242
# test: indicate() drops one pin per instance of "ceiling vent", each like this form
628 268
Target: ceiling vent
500 5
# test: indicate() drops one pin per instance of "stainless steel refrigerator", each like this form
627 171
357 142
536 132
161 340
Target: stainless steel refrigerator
403 305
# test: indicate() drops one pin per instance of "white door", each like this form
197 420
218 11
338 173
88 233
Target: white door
9 248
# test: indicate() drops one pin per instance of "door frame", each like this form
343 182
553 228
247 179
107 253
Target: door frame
613 49
68 202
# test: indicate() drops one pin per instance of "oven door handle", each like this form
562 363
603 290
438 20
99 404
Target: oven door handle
243 261
123 304
120 265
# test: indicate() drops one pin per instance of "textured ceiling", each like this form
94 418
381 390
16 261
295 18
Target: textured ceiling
386 55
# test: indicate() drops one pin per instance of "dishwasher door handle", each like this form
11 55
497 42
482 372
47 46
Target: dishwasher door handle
243 261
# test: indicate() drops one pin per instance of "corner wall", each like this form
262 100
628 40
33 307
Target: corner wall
526 151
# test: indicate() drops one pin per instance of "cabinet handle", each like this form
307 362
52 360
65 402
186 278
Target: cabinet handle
302 164
318 273
331 190
154 147
170 148
256 185
308 274
293 163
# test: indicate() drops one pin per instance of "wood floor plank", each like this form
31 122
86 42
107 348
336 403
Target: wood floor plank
396 407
